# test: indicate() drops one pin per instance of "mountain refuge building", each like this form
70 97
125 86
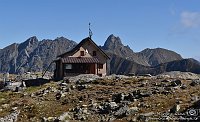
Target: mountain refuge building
84 58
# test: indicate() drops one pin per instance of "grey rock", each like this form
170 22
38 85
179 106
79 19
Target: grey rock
107 107
122 111
117 77
118 97
11 117
176 83
64 116
146 93
180 75
175 108
133 110
77 110
58 95
148 114
143 117
141 104
166 81
183 86
195 82
136 94
83 78
113 105
5 106
195 98
81 87
129 97
80 113
50 119
14 86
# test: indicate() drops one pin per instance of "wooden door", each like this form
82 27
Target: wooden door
92 68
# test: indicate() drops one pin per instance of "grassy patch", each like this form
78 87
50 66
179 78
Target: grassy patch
36 88
4 97
32 89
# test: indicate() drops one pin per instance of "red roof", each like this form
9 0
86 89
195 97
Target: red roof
80 60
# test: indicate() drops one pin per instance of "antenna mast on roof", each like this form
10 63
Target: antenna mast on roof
90 32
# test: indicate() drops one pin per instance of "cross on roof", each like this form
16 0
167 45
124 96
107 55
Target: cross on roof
90 32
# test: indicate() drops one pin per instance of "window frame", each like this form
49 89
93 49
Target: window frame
82 53
100 66
68 66
94 53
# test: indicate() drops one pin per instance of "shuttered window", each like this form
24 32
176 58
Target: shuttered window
82 53
100 66
94 53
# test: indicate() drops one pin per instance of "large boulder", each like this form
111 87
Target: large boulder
195 82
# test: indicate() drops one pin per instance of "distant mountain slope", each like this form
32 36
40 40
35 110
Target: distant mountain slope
32 55
184 65
151 61
159 55
114 45
120 65
147 57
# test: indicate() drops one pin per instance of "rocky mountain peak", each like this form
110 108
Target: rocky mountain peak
32 54
159 55
31 41
61 38
112 42
29 45
114 39
114 45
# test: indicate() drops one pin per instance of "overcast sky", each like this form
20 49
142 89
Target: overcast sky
170 24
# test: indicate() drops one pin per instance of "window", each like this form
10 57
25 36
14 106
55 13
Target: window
68 66
94 53
100 66
82 53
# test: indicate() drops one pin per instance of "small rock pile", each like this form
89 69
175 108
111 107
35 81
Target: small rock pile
88 78
61 118
11 117
44 92
195 82
179 75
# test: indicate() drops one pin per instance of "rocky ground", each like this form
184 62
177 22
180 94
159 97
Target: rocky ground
113 98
